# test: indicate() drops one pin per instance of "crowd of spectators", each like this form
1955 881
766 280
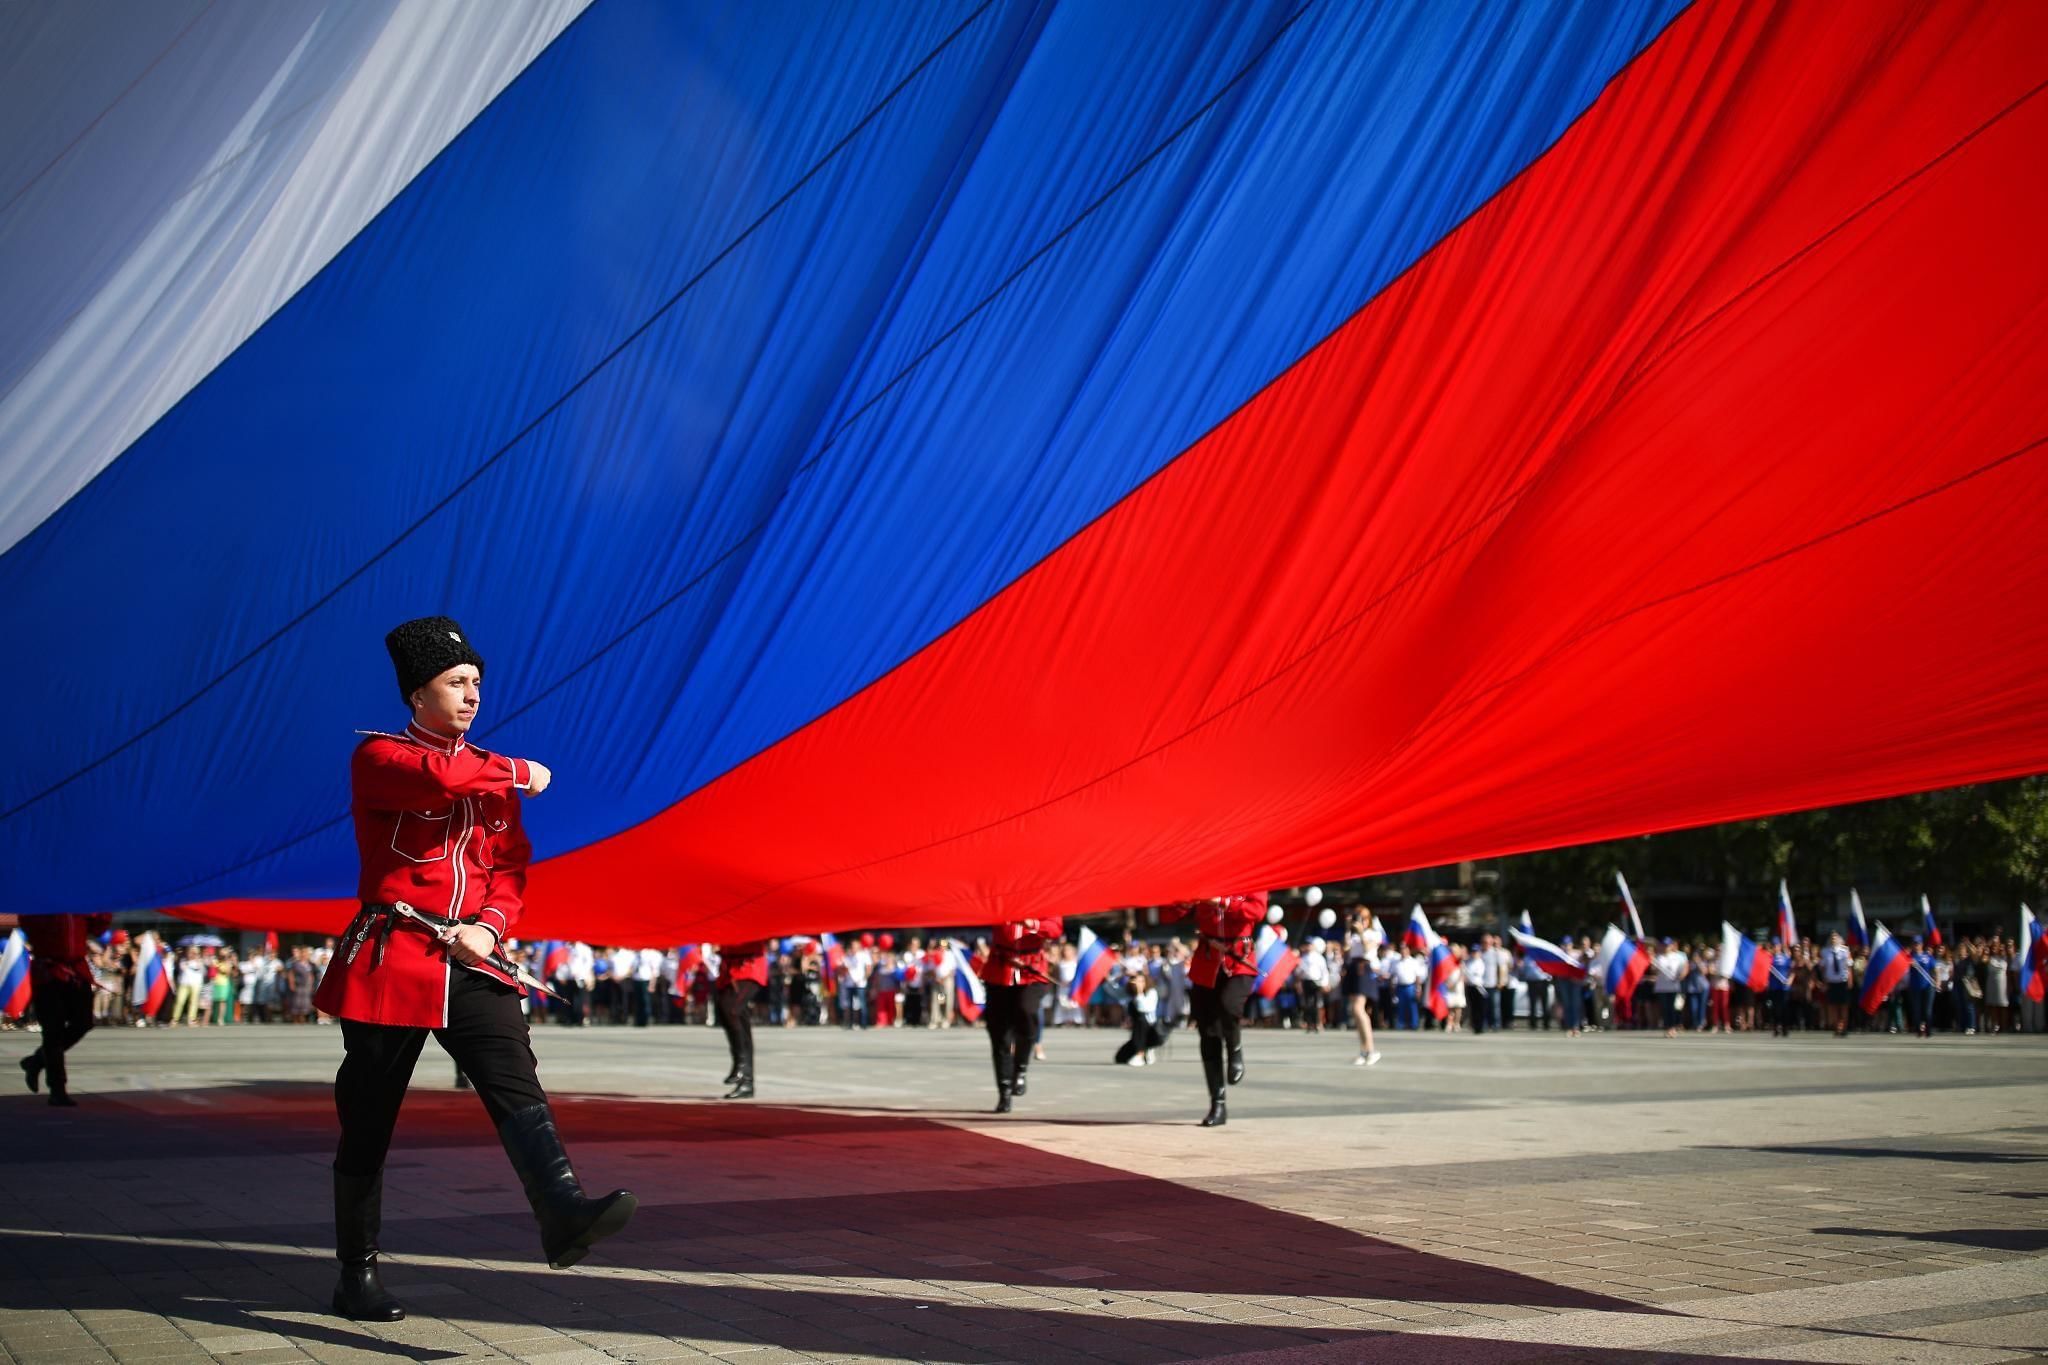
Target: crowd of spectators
875 981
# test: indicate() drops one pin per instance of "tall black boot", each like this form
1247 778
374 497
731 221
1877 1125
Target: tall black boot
743 1084
1212 1072
1003 1093
570 1224
32 1070
1236 1065
358 1213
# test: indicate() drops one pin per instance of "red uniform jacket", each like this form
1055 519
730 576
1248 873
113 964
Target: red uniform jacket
1226 931
742 962
1016 952
437 827
59 945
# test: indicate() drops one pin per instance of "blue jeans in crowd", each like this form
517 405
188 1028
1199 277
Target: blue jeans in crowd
1407 1010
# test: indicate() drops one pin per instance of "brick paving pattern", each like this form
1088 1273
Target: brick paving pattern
1494 1199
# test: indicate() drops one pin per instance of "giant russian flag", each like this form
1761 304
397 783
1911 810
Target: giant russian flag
14 984
1788 928
1551 959
1741 961
1276 959
969 996
1416 933
1858 934
152 983
1887 967
1621 963
901 385
2033 956
1092 964
1928 928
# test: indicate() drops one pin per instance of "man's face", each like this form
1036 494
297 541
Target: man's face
448 703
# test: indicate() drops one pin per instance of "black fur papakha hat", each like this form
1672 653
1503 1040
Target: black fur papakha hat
423 650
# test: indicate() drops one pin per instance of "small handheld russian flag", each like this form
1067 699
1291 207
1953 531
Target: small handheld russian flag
1628 903
1741 962
14 987
2033 956
1622 963
1788 931
1418 935
1091 967
1859 932
1442 966
1887 967
1276 960
1548 957
968 996
152 983
1932 931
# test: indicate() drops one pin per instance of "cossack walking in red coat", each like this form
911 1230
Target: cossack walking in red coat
437 828
1016 952
1220 980
1018 977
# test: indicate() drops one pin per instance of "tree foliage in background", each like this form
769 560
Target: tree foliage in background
1986 845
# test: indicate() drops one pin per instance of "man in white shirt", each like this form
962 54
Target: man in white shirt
646 972
1834 976
1670 965
1479 986
1502 968
942 968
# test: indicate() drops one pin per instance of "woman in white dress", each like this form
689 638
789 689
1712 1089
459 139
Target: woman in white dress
1454 992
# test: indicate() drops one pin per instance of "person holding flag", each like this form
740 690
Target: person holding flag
1363 939
1888 966
1621 964
1017 977
1834 976
1220 982
443 855
742 974
1920 988
2031 959
61 984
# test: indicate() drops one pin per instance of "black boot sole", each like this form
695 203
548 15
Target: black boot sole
615 1217
340 1310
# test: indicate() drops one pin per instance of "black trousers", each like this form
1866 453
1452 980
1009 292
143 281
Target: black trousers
487 1037
1218 1012
64 1009
1478 1008
735 1007
1012 1016
1539 1002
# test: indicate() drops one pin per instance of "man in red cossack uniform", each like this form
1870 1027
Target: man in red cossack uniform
742 974
443 871
1220 981
61 983
1018 977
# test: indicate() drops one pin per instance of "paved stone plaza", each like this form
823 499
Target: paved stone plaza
1469 1200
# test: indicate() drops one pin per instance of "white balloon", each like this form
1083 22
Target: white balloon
1275 914
1327 918
1314 896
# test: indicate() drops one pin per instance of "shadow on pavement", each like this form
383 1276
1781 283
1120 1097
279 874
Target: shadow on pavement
819 1199
1994 1239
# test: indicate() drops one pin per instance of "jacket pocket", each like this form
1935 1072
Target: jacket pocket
421 836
